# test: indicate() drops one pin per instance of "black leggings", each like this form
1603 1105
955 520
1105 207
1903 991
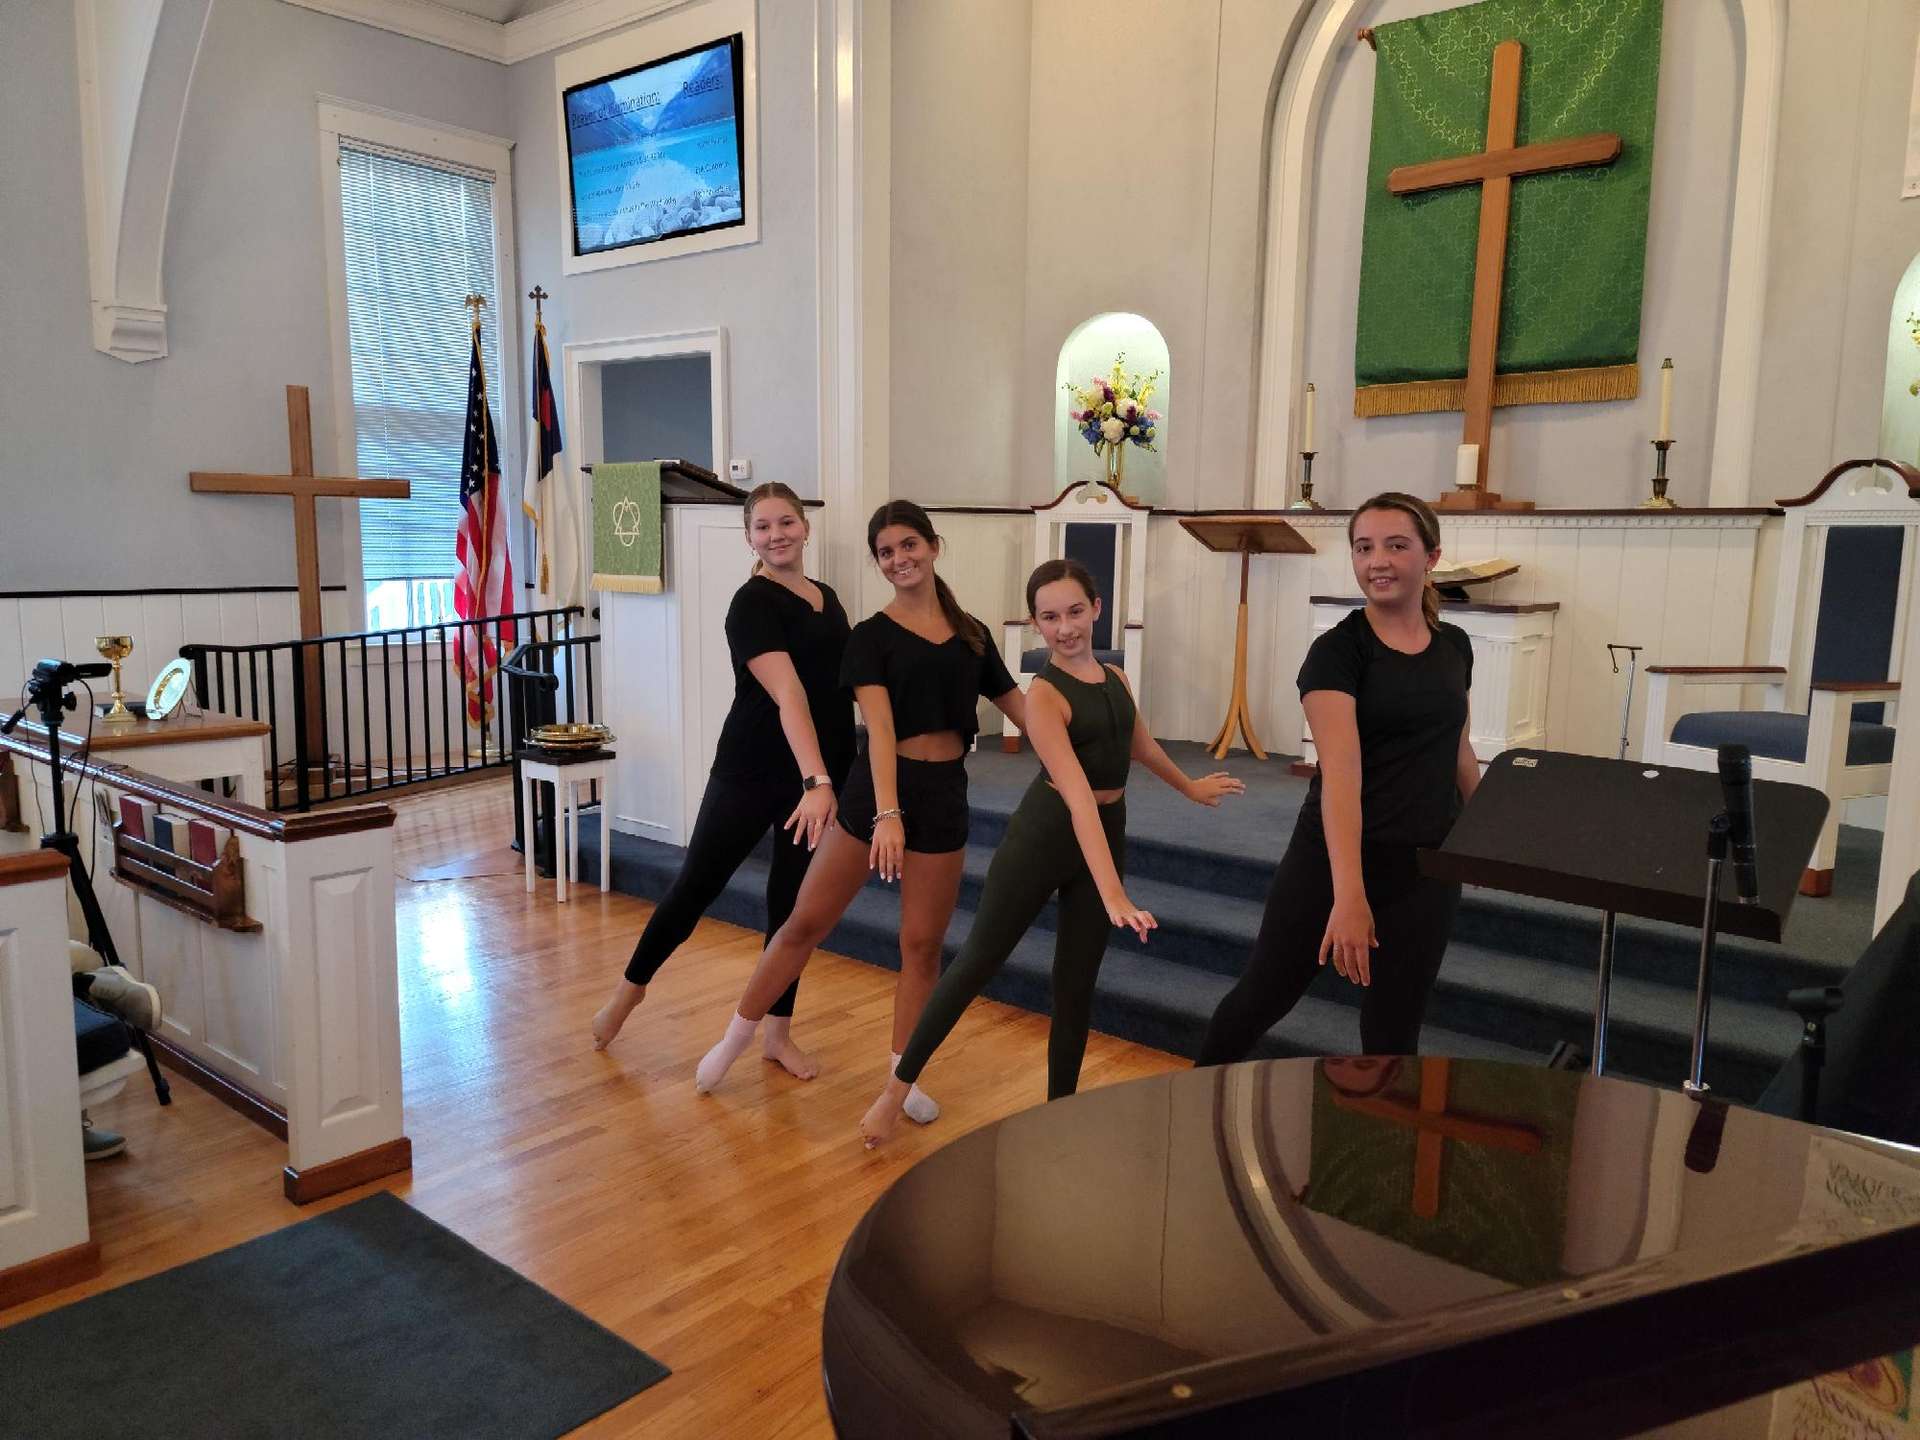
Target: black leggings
1412 919
1038 857
734 815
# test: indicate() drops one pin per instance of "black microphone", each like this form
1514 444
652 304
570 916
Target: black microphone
1736 789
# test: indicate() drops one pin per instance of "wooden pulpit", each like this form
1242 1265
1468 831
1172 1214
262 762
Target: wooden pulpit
1249 533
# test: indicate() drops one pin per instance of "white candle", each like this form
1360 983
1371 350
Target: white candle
1306 429
1466 467
1666 400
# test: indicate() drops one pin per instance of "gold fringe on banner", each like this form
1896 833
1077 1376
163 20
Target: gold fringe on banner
1528 387
631 584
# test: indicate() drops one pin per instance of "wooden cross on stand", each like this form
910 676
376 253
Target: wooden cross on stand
304 487
1430 1119
1494 169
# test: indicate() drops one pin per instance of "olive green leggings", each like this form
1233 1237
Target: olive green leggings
1038 857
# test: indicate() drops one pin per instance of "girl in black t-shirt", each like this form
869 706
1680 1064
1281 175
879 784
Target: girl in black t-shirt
784 751
1385 693
917 669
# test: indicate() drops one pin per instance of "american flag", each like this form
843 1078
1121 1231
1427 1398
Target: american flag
485 583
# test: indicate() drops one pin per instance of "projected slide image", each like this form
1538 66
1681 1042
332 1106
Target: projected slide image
655 152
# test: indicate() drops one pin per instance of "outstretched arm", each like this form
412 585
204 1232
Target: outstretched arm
1206 790
810 818
1046 726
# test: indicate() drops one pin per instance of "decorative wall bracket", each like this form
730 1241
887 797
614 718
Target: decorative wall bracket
136 60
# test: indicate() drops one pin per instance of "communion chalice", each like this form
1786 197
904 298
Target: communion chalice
116 648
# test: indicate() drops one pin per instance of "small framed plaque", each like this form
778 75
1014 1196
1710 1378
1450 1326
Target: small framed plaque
169 689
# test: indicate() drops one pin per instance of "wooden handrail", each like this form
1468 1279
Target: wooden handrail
241 818
1906 472
31 865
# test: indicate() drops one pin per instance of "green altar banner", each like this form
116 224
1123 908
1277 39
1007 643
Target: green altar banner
1576 248
626 526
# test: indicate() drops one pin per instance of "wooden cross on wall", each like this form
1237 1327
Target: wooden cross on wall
1494 169
1434 1124
304 487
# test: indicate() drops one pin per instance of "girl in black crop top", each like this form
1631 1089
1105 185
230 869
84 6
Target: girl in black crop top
917 669
783 755
1385 693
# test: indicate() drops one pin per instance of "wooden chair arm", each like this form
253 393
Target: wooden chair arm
1856 687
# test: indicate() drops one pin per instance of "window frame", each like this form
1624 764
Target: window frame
431 141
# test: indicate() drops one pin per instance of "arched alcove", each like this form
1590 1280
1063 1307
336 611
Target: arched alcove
1090 349
1900 409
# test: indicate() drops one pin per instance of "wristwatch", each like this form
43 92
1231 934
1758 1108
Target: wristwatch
814 782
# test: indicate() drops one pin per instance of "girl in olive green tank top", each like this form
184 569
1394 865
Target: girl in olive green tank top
1067 837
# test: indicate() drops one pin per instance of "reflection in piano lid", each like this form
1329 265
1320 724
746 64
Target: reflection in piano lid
1365 1246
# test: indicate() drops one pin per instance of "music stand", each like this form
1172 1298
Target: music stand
1249 534
1624 838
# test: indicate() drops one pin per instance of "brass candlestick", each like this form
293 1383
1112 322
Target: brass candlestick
116 648
1658 500
1306 500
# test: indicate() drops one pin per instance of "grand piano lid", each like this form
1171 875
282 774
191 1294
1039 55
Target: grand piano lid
1374 1246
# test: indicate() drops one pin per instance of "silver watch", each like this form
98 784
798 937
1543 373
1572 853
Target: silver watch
814 782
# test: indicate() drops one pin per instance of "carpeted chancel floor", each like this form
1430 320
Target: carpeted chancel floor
369 1320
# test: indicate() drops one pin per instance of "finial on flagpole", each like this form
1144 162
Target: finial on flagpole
538 296
475 303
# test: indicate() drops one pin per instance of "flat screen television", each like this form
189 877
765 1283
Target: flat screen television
656 151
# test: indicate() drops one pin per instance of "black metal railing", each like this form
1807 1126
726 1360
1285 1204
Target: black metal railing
548 682
351 715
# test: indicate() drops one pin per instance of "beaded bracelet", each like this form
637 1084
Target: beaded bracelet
894 814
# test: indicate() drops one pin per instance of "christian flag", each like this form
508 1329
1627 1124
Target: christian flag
485 583
547 495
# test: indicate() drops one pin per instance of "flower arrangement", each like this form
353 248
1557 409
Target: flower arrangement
1111 411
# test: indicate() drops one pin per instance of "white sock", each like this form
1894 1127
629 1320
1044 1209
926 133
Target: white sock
717 1061
920 1107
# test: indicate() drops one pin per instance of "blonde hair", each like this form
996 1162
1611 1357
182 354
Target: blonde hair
768 490
1424 521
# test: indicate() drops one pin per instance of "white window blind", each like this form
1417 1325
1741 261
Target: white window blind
419 239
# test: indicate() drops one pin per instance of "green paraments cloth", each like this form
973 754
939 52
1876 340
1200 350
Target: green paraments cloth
1576 242
626 526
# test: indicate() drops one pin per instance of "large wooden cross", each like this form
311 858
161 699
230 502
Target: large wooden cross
1434 1124
304 487
1494 169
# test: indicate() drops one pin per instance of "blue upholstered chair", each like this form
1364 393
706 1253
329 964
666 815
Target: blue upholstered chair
1828 693
1093 523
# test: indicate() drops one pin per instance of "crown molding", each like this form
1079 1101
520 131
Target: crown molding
508 44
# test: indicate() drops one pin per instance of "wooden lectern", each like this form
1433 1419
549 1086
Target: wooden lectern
1254 532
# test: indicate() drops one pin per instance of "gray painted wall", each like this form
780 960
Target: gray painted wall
94 470
762 295
658 409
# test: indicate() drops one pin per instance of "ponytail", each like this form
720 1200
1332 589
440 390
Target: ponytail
1430 604
905 512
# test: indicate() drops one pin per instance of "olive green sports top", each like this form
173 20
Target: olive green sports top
1099 724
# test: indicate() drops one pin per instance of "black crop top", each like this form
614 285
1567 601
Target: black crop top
764 617
1410 711
930 687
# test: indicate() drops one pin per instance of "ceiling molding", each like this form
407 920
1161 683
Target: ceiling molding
523 39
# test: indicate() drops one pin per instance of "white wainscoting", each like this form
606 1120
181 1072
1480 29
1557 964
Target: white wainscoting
1692 588
160 622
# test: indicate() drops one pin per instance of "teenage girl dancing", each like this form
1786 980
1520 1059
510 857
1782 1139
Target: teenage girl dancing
917 669
784 751
1068 837
1385 692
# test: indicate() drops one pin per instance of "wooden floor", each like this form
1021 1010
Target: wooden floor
702 1229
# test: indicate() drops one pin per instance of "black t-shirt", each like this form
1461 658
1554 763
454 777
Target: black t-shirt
1410 711
931 687
764 617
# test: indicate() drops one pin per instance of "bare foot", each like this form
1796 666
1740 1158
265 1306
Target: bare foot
883 1117
776 1044
612 1015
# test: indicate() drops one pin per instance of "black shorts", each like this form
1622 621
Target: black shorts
932 792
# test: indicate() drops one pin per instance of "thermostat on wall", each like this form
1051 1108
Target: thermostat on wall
739 469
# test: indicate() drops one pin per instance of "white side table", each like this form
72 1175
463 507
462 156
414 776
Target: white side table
566 775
